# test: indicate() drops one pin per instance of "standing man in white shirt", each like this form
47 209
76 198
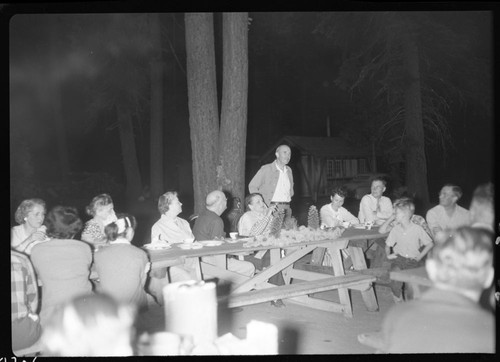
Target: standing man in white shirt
374 207
448 214
274 181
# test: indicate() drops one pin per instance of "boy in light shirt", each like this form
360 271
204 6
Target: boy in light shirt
403 246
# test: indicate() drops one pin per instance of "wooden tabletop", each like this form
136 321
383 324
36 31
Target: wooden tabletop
175 252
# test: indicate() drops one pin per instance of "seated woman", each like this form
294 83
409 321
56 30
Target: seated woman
171 229
61 263
30 215
101 209
333 214
122 267
257 217
88 326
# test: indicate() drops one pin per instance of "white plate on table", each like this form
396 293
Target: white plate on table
188 246
211 242
359 226
157 246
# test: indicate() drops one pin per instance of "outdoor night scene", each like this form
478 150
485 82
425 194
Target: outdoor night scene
251 183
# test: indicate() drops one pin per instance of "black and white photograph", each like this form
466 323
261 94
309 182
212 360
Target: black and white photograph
227 182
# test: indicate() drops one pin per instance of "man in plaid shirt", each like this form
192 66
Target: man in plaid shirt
26 328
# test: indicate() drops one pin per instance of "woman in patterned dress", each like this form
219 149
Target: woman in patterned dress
101 209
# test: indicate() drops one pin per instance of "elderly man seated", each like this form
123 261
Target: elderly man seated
448 214
209 226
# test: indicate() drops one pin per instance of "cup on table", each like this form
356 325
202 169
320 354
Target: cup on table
368 225
233 235
346 224
188 240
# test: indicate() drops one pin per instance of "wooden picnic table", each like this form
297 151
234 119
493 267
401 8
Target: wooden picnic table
246 290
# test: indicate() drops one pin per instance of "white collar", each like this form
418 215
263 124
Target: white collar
279 169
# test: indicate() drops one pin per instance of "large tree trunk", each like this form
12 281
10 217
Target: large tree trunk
416 163
202 103
156 128
233 132
129 154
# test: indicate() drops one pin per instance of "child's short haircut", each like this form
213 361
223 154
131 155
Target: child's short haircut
405 203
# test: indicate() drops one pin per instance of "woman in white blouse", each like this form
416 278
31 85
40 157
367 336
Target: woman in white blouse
30 215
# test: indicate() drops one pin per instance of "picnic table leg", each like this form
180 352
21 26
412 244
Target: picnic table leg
198 269
359 263
317 256
338 269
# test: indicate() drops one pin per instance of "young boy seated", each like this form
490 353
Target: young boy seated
406 240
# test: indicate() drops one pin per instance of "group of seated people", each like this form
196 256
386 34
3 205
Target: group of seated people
456 247
59 252
50 256
45 248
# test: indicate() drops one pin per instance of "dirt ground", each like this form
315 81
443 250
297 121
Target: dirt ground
302 330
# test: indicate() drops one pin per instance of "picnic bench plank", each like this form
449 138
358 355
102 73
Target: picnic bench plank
298 289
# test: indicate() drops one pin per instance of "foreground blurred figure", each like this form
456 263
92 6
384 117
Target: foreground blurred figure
447 318
26 328
89 325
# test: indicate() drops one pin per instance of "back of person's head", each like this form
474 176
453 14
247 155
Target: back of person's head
213 199
165 200
249 199
88 326
63 222
98 201
457 190
462 259
406 204
120 228
25 207
482 206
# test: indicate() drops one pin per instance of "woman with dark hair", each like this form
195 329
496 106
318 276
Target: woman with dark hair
30 215
257 216
61 263
122 267
101 209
